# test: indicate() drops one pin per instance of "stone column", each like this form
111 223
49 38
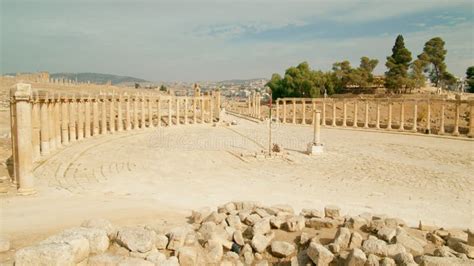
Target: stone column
284 111
95 116
24 164
334 113
135 112
456 118
344 113
377 122
35 120
112 123
303 107
177 111
471 118
389 123
51 121
44 124
293 102
194 110
119 114
150 112
80 119
128 124
142 113
277 111
211 109
249 105
402 116
323 122
186 111
317 128
202 110
415 116
441 126
87 127
313 111
64 122
159 111
57 121
356 107
72 120
428 117
103 122
366 121
169 112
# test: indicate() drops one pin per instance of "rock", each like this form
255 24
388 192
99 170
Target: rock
283 208
136 239
226 208
295 223
311 213
176 237
391 223
277 222
161 241
79 244
135 262
156 257
260 242
262 213
98 240
199 215
442 261
375 225
187 256
318 223
356 258
394 249
435 239
243 214
372 260
103 224
238 238
461 247
335 249
104 260
261 227
4 244
319 254
262 263
304 238
411 244
375 246
252 219
387 262
214 251
387 233
470 237
234 221
332 211
405 259
343 236
45 254
248 257
356 240
282 249
425 227
206 230
445 251
356 222
171 261
215 217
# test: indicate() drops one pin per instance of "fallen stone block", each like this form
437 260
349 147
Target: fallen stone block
295 223
356 258
98 240
375 246
443 261
103 224
55 254
136 239
332 211
319 254
282 249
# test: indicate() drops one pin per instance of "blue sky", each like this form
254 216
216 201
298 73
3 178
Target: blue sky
217 40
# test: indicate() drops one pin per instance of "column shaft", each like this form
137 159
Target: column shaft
44 127
35 120
303 110
366 120
95 116
72 120
334 113
389 123
64 122
415 117
356 107
456 118
402 116
344 113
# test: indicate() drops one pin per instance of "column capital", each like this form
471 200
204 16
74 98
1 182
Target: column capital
21 92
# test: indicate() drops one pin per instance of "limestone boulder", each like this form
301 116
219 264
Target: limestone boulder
104 260
282 249
4 244
387 262
332 211
319 254
135 262
319 223
343 237
411 243
156 257
443 261
277 222
252 219
394 249
215 217
405 259
238 238
372 260
161 241
311 213
214 251
461 247
103 224
177 237
375 246
261 227
356 223
226 208
356 240
79 244
260 242
54 254
187 256
98 240
136 239
387 233
356 258
197 216
295 223
234 222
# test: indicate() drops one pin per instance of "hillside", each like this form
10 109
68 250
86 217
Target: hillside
98 78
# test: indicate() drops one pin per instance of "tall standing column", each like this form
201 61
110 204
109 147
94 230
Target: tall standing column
35 120
334 113
150 112
112 123
177 111
471 118
52 129
23 148
65 122
211 109
80 119
103 120
441 125
57 121
356 107
415 116
135 112
128 124
366 120
194 110
142 113
344 113
119 114
456 118
87 127
428 117
169 112
377 121
186 111
303 109
158 111
249 104
44 124
389 123
277 110
202 110
402 116
323 120
313 111
95 116
72 120
293 102
284 111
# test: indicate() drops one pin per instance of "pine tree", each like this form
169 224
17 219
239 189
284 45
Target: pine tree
396 78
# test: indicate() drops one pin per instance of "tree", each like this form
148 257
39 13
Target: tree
434 54
396 78
163 88
470 78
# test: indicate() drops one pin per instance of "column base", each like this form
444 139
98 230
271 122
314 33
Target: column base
314 148
470 135
456 133
26 191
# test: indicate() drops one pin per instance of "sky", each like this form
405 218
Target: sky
177 40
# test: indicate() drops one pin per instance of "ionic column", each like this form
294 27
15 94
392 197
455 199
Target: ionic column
169 112
441 126
471 119
177 111
95 116
277 111
366 121
284 111
119 114
293 102
64 122
35 141
159 111
334 113
87 127
344 113
135 112
72 120
44 125
112 123
186 110
402 116
456 119
323 120
377 121
103 122
389 123
303 104
356 107
52 129
80 119
428 117
22 146
142 113
150 112
194 110
415 116
128 124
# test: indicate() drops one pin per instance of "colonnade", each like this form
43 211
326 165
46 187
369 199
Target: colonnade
254 105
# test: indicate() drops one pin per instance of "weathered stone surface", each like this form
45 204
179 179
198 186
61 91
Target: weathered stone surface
405 259
262 213
311 213
187 256
260 242
387 262
171 261
215 217
226 208
98 240
199 215
243 214
343 236
461 247
282 249
4 244
443 261
356 240
176 237
252 219
103 224
319 223
156 257
214 251
470 237
261 227
283 208
411 244
234 221
104 260
79 244
262 263
332 211
375 246
394 249
372 260
136 238
375 225
206 230
445 251
319 254
248 257
161 241
295 223
304 238
387 233
277 222
356 258
356 222
238 238
435 239
135 262
45 254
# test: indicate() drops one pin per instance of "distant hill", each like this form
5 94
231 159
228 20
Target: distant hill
98 78
239 81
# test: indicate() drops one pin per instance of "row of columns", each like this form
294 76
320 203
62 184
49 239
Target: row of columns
254 105
282 117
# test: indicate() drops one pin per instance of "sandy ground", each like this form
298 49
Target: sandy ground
159 175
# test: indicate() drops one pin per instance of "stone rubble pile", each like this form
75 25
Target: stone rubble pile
248 233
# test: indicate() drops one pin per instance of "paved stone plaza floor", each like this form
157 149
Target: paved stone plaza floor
161 174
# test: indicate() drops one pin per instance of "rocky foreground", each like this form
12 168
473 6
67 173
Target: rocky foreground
247 233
